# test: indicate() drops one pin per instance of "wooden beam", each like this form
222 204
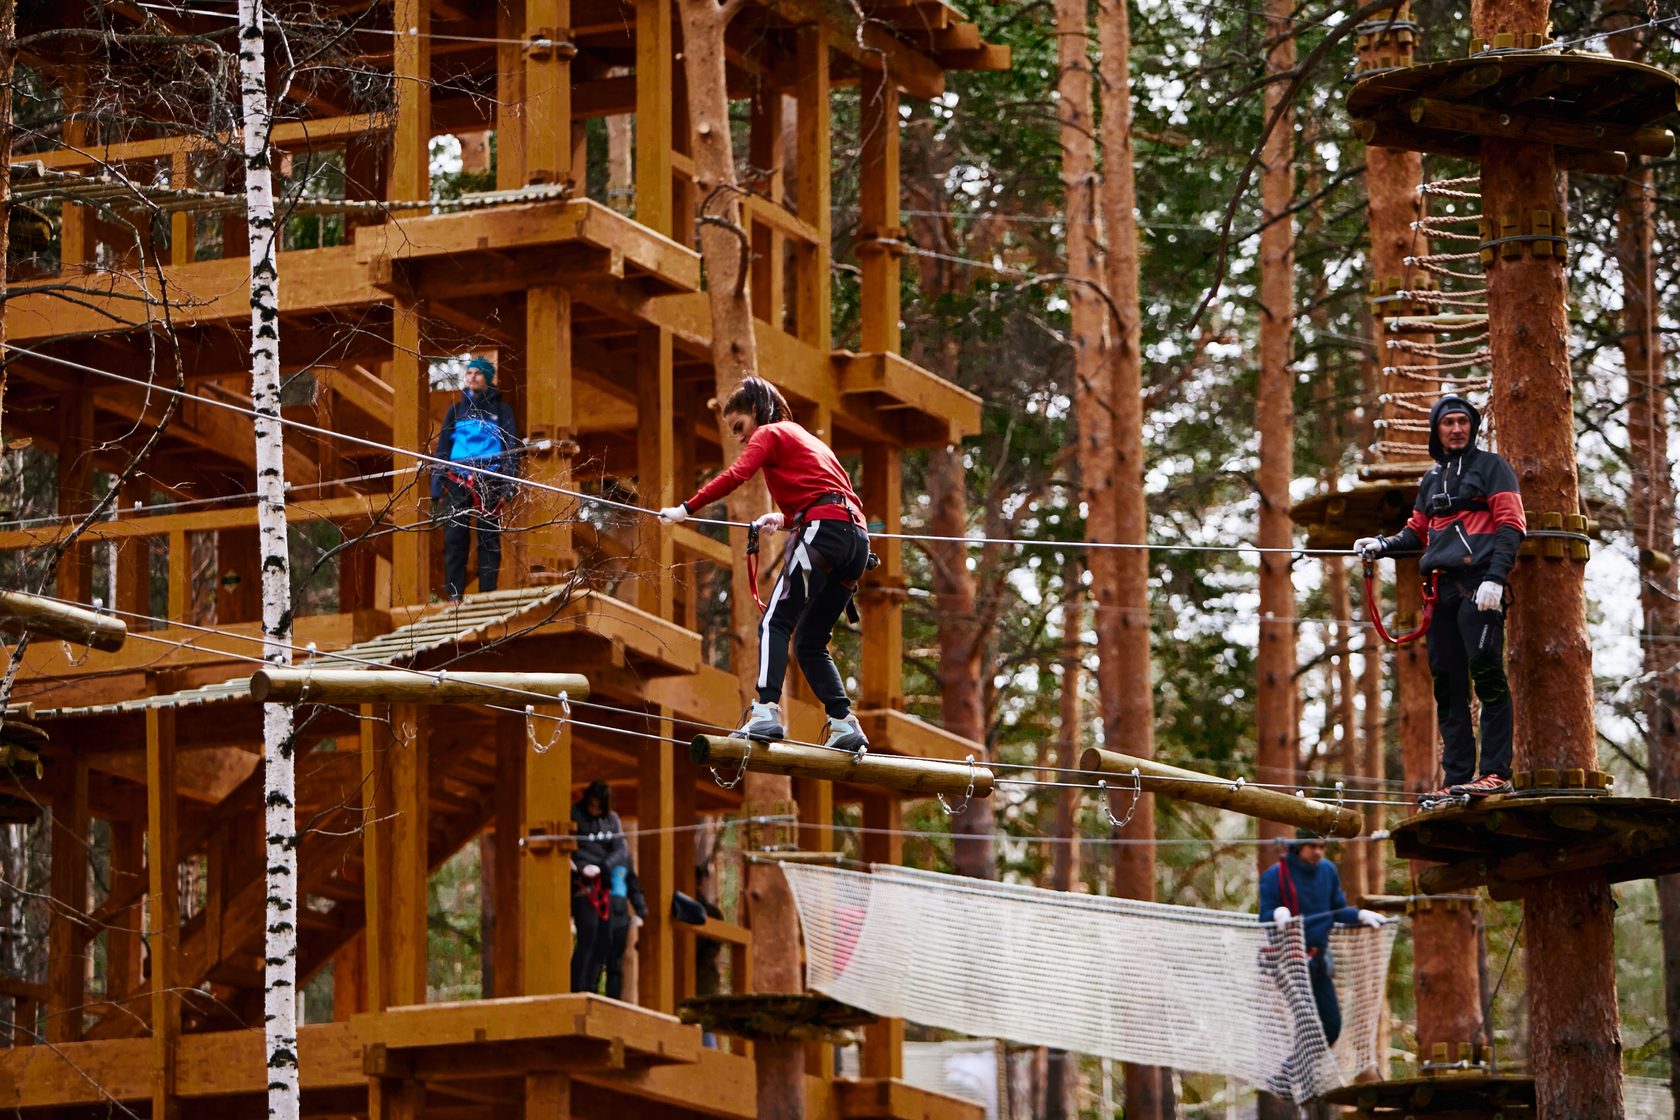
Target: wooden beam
1207 789
411 430
882 591
67 957
879 221
814 313
654 61
883 1042
910 775
507 935
163 908
1506 124
548 91
60 620
547 539
655 468
398 686
656 867
547 869
510 97
75 489
286 135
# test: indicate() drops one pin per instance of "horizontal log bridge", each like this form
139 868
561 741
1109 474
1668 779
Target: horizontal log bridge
1207 789
910 775
52 619
400 686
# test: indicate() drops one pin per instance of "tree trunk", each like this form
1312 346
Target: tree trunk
779 1063
1651 504
1574 1031
1125 684
961 653
8 68
1060 1071
279 782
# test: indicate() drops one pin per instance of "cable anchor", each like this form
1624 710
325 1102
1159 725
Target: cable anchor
560 721
1119 824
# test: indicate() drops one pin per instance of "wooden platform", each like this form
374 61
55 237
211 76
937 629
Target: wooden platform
1458 1095
1337 518
1590 106
768 1015
1509 843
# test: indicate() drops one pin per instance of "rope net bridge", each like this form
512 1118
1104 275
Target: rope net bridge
1143 982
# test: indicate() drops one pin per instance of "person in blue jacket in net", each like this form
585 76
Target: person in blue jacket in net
1304 883
479 434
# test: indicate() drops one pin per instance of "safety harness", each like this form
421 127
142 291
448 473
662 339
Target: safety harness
1291 897
818 560
1430 594
470 483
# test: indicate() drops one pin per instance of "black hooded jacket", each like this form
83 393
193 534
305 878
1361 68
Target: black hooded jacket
600 838
1468 519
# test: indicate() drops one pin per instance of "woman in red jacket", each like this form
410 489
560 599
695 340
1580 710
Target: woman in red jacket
829 552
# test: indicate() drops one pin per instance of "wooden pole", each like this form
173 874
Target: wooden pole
60 620
400 686
1206 789
908 775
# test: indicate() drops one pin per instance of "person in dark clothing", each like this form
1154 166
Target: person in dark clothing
1304 883
1468 520
624 894
829 553
601 850
479 434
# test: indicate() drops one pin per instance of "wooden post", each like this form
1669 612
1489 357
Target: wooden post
133 592
655 467
506 947
656 857
75 246
405 951
879 212
769 244
122 937
1206 789
67 952
882 591
181 247
546 888
908 775
398 686
376 860
883 1042
239 555
1574 1029
510 97
60 620
75 489
814 313
654 60
548 390
548 91
163 906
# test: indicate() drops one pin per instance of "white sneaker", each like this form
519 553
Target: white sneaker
763 722
846 735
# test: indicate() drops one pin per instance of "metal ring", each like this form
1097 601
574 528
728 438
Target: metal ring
968 794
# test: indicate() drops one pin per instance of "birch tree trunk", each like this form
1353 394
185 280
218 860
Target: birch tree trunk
279 785
724 250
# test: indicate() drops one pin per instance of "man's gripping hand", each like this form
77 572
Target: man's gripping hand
1281 915
1368 548
1490 596
1371 918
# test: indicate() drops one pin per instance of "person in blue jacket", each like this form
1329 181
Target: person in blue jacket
479 431
1304 884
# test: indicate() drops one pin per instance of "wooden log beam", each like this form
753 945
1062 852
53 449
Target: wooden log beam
399 686
1504 124
60 620
909 775
1205 789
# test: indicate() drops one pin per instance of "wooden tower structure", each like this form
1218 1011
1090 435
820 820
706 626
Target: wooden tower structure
589 303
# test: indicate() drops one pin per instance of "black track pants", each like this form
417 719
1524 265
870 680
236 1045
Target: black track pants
460 519
1468 646
805 606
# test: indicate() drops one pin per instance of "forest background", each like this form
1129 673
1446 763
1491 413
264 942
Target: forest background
986 304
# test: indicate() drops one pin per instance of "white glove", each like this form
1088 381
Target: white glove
1490 595
1371 918
673 515
771 522
1368 548
1281 915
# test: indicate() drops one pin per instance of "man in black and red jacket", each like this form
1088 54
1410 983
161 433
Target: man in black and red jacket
1468 521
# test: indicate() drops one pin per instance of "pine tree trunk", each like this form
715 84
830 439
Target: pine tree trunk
961 652
279 783
779 1063
1124 682
1651 504
8 68
1574 1029
1061 1070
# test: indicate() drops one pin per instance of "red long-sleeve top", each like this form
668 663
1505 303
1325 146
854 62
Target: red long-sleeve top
798 468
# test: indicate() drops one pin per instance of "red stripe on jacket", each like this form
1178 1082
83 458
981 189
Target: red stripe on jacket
1503 510
799 469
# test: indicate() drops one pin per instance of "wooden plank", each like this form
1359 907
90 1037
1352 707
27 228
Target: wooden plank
906 383
534 1017
67 957
655 468
163 909
881 1099
814 311
654 81
656 867
140 525
546 888
286 135
895 732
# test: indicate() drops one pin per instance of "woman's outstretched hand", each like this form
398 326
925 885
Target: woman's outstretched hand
771 522
672 515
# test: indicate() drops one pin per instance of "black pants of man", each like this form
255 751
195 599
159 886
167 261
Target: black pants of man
805 605
461 516
590 942
1324 997
1467 645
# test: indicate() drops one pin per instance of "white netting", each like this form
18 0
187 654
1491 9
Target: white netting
1136 981
1646 1098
